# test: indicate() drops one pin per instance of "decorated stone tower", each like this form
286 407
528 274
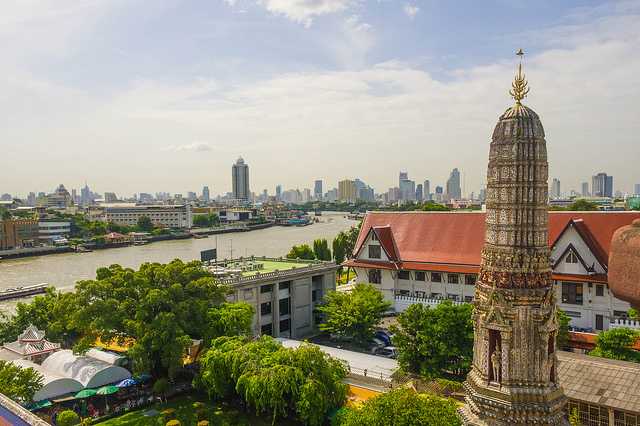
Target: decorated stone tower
514 380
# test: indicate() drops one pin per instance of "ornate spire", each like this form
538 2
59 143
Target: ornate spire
519 87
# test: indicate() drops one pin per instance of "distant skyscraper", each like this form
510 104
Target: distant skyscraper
347 191
191 196
206 197
454 192
585 189
636 190
110 197
240 180
419 194
407 189
555 188
31 199
317 190
6 197
426 190
602 185
439 193
278 192
402 176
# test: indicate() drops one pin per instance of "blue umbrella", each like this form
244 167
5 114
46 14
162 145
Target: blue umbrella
126 383
143 377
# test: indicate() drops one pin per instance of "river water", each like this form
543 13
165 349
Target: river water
63 270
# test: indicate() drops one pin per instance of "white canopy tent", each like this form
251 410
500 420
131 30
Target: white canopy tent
53 385
91 372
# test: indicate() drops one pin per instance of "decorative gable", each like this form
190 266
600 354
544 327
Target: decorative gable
574 252
378 245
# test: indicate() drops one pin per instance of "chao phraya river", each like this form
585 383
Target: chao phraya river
63 270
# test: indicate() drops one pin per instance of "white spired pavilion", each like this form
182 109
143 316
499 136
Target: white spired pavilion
31 345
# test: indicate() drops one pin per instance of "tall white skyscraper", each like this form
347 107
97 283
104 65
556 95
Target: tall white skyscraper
240 180
454 191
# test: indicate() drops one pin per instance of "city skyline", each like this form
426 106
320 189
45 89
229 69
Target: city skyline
191 103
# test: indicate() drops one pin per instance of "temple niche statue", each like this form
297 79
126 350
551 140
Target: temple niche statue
513 380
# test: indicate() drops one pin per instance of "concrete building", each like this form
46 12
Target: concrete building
585 189
206 197
418 256
602 185
419 194
439 195
636 189
317 190
407 190
426 190
59 199
177 216
555 188
284 293
110 197
50 231
454 191
347 191
18 233
240 180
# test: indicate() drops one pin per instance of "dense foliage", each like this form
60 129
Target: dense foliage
68 418
321 250
304 383
19 383
160 307
344 243
436 341
206 220
401 407
577 206
303 251
562 339
353 314
617 343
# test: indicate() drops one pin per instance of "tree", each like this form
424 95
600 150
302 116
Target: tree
201 221
401 407
303 382
5 214
160 388
68 418
354 314
582 205
432 206
339 248
562 339
303 251
19 384
436 341
230 319
145 224
160 307
321 249
617 343
633 314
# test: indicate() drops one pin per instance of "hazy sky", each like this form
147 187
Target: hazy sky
164 95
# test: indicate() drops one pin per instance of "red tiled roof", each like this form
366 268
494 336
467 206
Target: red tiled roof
458 238
385 236
369 264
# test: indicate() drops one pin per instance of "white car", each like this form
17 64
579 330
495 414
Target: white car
388 352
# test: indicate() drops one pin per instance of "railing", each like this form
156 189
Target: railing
22 417
403 302
316 266
626 323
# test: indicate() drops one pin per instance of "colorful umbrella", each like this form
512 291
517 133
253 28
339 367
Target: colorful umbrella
86 393
40 404
126 383
107 390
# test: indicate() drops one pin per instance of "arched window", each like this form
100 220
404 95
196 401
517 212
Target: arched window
571 258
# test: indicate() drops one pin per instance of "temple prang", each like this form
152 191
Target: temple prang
514 376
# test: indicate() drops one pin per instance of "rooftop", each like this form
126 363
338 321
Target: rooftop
247 269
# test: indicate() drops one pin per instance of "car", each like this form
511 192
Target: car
388 352
384 336
376 344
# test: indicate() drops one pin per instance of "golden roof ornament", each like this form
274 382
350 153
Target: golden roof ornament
519 87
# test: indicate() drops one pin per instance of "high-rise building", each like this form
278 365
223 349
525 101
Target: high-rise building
31 199
278 192
419 194
206 196
402 176
454 191
86 196
347 191
439 193
192 196
407 189
110 197
306 195
602 185
317 189
240 180
636 190
514 374
426 190
555 188
585 189
331 195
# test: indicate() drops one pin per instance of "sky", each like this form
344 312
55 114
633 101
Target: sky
143 96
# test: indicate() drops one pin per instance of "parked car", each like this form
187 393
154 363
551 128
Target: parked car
376 344
388 352
384 336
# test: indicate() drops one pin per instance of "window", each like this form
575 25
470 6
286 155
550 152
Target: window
285 306
267 329
468 299
375 252
599 290
248 294
285 285
403 293
436 296
572 293
573 314
599 322
470 279
436 277
375 276
420 294
453 297
420 276
266 288
374 236
265 308
571 258
404 275
285 325
314 295
452 278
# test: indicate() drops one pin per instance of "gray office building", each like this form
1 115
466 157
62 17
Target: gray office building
240 180
602 185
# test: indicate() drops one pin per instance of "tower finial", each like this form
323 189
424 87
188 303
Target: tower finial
519 89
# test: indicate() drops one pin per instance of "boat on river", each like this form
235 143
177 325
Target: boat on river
18 292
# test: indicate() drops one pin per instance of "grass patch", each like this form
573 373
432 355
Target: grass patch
217 413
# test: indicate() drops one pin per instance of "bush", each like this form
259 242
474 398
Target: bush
68 418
